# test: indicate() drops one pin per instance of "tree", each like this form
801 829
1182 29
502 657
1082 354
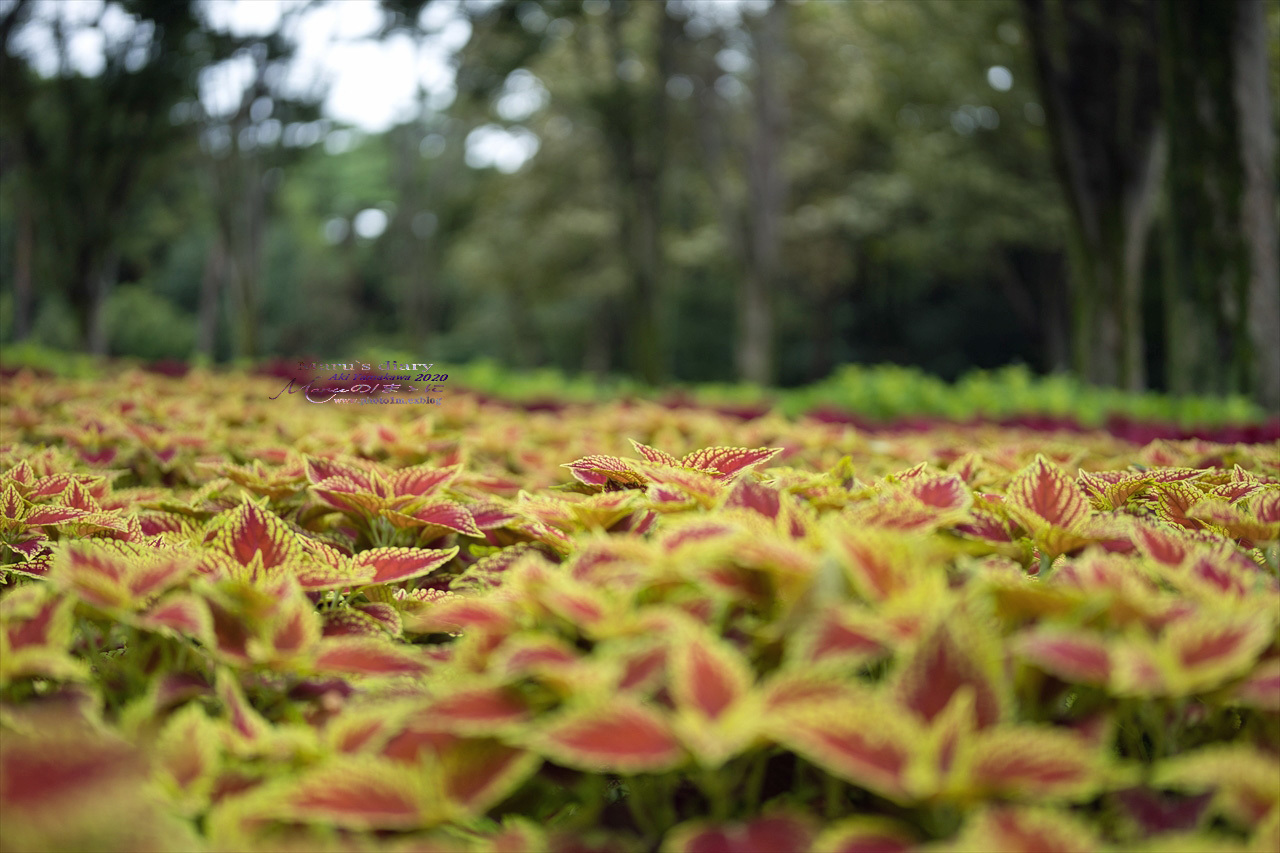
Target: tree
752 222
1222 296
84 145
1096 64
623 53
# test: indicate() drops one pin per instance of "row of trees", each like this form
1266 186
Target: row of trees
1161 112
751 190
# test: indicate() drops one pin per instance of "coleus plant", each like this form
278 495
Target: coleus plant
322 632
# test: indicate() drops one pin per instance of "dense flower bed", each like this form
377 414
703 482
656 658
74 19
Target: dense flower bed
235 623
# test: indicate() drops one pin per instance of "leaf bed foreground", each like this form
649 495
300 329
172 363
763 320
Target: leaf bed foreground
233 623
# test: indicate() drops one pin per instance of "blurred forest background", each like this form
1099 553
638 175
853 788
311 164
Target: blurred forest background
693 190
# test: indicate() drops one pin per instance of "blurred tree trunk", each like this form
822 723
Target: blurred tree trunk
413 249
1255 101
752 225
239 201
635 125
24 253
766 197
1222 298
211 284
103 282
1095 60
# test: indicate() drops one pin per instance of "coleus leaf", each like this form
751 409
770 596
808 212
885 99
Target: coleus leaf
516 836
865 835
393 565
65 784
46 515
187 752
1048 504
272 482
698 533
244 719
439 516
602 511
315 575
13 508
802 691
1038 762
584 607
772 832
1156 813
757 497
841 635
365 793
1163 543
608 472
1109 490
654 455
1216 576
319 469
251 529
621 561
365 727
491 515
182 614
35 632
1207 650
644 666
421 480
533 654
478 773
1173 501
36 560
350 622
367 656
115 574
880 565
1243 777
1230 518
463 614
349 497
1261 687
476 709
21 475
1265 507
866 744
952 655
945 492
1027 830
710 682
725 463
618 735
1075 656
676 489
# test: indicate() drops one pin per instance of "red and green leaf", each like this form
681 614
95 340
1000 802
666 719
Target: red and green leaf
617 736
1075 656
728 462
951 656
367 656
776 832
393 565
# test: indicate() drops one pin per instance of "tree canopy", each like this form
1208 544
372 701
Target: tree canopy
685 190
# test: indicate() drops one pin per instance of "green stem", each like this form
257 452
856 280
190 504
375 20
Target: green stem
832 796
713 786
639 809
755 781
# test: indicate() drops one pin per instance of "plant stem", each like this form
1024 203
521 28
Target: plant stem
755 780
832 796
